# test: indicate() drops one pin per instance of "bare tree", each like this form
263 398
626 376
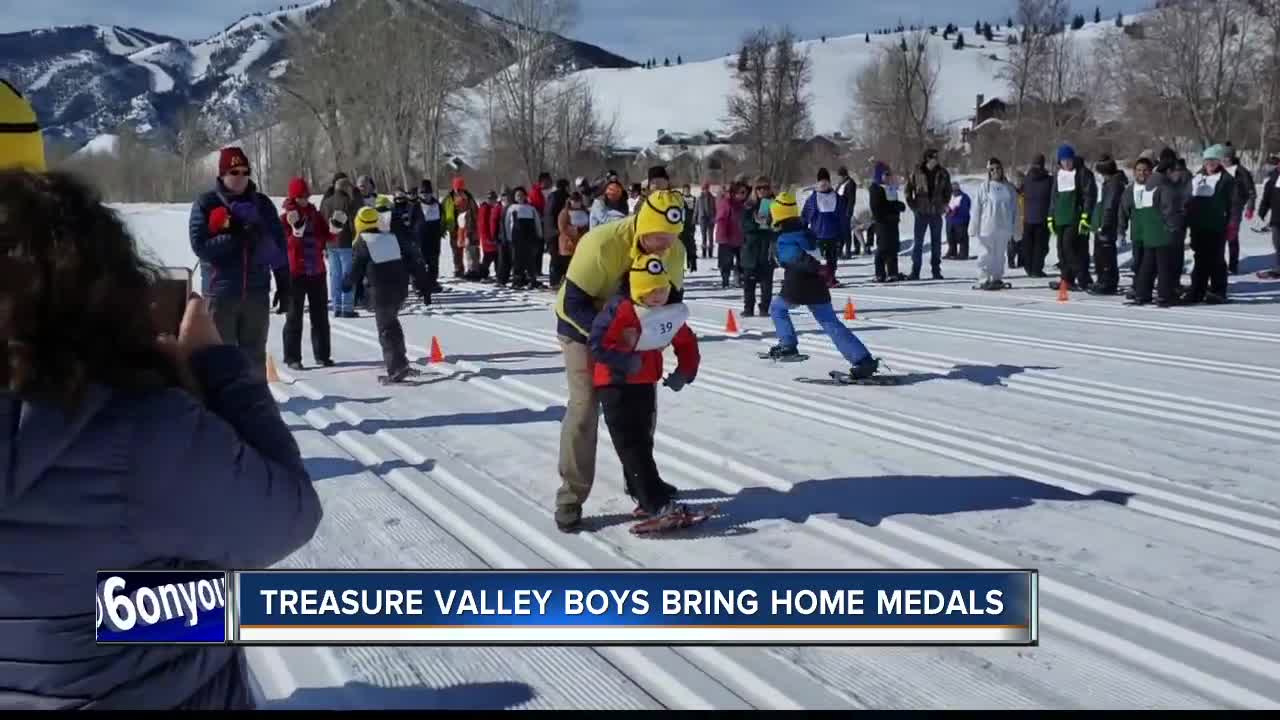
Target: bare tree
1026 60
771 105
1265 74
190 139
895 98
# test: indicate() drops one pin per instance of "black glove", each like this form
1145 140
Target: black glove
676 381
282 289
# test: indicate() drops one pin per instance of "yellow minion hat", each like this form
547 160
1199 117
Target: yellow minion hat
648 273
21 144
661 212
783 208
366 220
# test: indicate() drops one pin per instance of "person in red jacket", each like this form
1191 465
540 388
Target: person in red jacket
489 214
308 236
627 342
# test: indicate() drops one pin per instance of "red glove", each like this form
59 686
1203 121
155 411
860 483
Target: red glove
1248 214
219 220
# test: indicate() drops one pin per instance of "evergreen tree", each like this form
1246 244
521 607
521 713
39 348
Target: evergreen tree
986 32
1097 14
743 59
666 62
1010 24
1077 22
977 28
868 38
679 60
1119 20
959 41
933 29
1012 39
904 44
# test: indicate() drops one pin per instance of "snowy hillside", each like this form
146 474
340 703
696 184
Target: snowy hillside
692 97
87 81
1126 453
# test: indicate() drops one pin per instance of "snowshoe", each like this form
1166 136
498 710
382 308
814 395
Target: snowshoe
781 354
1214 299
1269 274
673 517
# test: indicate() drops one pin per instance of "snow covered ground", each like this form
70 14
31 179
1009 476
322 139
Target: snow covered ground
1127 453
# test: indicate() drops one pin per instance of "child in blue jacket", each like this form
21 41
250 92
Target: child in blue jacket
803 284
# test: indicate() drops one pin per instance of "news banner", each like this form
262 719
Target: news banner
563 607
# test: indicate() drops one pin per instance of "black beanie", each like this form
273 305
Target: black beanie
1038 161
823 175
658 171
427 188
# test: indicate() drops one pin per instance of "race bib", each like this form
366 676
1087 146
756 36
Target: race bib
827 202
383 247
462 220
579 218
891 193
1231 169
431 211
1142 197
658 326
1205 185
1066 180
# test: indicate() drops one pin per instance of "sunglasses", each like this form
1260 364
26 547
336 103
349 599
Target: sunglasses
238 173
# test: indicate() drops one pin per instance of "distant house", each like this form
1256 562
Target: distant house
987 109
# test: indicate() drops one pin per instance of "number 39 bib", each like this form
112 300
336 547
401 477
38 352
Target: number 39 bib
658 326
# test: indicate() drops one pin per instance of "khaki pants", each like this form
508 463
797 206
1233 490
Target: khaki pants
577 433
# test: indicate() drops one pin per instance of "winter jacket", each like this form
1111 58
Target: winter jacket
688 231
758 236
1270 204
432 215
1150 213
622 325
1072 198
929 191
825 214
556 201
601 262
705 209
571 225
602 212
1037 196
538 200
522 223
958 210
349 204
802 280
306 253
460 222
885 210
388 260
1106 215
1212 197
848 190
1245 196
407 223
238 262
139 480
489 217
729 222
995 210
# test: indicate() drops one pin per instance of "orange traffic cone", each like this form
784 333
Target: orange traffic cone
731 324
272 375
1063 289
437 356
850 312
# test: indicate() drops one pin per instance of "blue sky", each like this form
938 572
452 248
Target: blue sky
696 29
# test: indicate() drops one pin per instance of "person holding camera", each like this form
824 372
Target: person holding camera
237 234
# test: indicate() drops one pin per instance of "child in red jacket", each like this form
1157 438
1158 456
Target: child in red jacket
308 237
627 341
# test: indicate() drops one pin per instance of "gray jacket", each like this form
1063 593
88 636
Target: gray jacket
138 480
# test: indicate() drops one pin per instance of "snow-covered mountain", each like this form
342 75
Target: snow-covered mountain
86 81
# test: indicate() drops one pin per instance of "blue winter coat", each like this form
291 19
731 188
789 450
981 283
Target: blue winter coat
230 268
826 225
958 215
802 279
143 479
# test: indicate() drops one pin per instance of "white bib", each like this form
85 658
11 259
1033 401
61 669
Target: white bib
891 193
1142 197
1066 181
383 247
1231 169
431 211
1278 180
579 218
462 220
658 326
827 202
1205 185
955 202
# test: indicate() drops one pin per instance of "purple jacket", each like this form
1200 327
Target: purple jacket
138 480
828 220
229 266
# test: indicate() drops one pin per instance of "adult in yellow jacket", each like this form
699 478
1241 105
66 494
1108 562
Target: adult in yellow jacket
600 267
21 144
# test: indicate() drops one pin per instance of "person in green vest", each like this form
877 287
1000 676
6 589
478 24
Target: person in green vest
1151 212
757 249
1071 205
1208 214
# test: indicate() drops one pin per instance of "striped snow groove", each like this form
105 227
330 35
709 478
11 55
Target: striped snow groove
1102 397
1233 672
1100 672
1128 322
1252 372
1048 297
737 680
1154 496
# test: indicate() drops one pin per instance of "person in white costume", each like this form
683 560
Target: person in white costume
993 220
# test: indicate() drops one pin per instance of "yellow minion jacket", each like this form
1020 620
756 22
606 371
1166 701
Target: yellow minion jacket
21 144
600 263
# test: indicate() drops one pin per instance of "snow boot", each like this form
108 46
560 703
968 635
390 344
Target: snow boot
778 352
327 363
673 516
865 368
294 365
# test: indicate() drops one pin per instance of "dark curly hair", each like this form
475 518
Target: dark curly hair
74 294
